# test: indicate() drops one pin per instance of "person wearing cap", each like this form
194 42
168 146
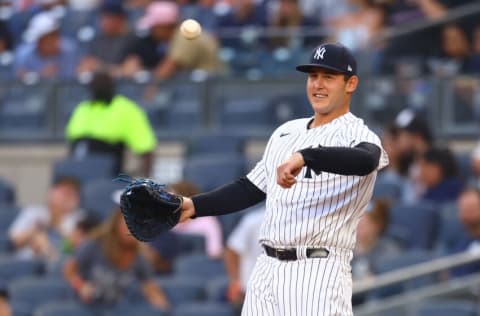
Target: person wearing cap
45 53
109 47
164 51
317 176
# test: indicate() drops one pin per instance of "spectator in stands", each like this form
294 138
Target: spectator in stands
241 254
455 56
5 309
6 44
208 226
46 54
289 18
438 175
108 49
475 63
469 214
109 122
165 52
83 228
39 231
372 246
240 19
414 138
357 28
105 268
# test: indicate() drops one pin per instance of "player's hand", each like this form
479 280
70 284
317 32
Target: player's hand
188 209
288 170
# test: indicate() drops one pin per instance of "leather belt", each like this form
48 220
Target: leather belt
290 254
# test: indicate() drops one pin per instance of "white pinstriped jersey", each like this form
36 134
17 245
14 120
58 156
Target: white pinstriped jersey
319 210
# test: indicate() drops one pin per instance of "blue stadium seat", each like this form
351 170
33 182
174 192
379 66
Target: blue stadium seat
180 289
228 222
24 109
20 308
144 309
211 171
184 113
39 291
464 164
198 266
7 193
450 230
414 225
388 188
447 308
403 260
204 309
89 168
190 243
63 308
288 106
245 112
215 143
216 289
97 196
12 268
7 216
68 96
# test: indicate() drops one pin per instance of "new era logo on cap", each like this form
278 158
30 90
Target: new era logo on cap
333 56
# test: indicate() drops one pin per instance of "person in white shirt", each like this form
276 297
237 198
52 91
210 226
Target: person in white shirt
38 231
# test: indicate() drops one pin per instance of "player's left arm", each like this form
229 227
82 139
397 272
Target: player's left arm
359 160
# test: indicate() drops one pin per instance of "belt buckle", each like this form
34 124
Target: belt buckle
282 254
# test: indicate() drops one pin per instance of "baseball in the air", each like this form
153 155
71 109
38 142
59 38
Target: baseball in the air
190 29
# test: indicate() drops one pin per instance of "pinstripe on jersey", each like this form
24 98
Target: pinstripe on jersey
319 210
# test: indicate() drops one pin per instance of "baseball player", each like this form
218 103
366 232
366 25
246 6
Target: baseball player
317 176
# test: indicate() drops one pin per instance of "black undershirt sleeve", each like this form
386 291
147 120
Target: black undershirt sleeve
242 193
229 198
359 160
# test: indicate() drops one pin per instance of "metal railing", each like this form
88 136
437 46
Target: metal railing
413 272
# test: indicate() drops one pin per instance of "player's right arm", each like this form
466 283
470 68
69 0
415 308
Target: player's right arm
229 198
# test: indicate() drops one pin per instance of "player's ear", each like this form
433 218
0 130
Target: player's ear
351 84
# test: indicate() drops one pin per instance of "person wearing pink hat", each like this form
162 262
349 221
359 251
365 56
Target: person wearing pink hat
164 51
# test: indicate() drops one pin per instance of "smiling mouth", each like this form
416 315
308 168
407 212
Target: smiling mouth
320 95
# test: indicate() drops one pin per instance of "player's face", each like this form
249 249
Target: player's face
329 94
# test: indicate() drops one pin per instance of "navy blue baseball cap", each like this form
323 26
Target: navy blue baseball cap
333 56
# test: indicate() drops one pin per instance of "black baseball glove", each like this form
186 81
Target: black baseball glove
148 208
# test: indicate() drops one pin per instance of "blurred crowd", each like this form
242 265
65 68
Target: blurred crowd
139 38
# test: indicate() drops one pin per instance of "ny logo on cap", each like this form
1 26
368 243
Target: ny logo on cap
319 53
349 68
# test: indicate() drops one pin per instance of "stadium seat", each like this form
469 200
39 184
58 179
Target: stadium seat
464 165
87 169
388 188
7 216
180 290
7 193
215 143
228 222
403 260
39 291
184 113
245 112
62 309
97 196
414 225
288 106
190 243
448 308
144 309
216 289
198 266
68 96
20 308
450 229
24 109
211 171
203 309
12 268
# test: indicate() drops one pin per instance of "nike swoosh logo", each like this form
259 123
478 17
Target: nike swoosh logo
284 134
